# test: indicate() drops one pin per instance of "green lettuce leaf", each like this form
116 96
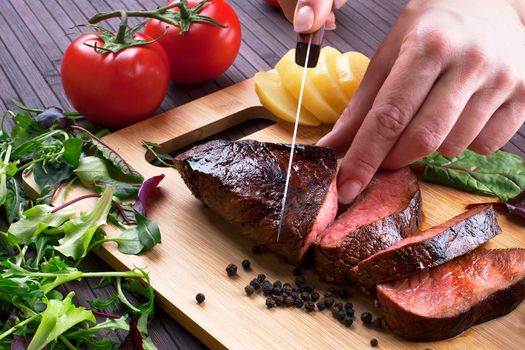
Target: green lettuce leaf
58 317
500 174
37 219
79 231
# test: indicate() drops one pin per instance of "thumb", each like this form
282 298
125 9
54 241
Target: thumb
311 15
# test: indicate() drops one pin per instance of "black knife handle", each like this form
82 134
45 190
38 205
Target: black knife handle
315 49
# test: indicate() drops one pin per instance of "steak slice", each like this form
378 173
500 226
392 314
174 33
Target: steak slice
444 301
388 210
244 182
432 247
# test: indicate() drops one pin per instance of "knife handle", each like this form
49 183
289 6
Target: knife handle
303 39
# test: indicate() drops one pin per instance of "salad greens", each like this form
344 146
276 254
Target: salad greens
500 174
44 245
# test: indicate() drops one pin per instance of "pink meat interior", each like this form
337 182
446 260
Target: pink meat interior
386 195
452 288
326 215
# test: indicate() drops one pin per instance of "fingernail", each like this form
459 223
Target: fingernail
348 191
339 3
304 19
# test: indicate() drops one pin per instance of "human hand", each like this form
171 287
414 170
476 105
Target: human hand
310 15
450 75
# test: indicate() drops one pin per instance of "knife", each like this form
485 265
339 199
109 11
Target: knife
307 54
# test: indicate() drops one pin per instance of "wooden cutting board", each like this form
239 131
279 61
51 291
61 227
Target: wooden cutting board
197 246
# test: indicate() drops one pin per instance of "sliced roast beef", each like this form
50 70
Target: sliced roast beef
388 210
432 247
444 301
244 182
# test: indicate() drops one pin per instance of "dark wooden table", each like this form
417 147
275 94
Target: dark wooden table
35 33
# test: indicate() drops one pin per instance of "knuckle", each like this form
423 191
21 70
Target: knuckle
450 149
504 78
430 42
476 58
391 120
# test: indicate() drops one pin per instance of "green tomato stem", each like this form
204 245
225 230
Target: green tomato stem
123 27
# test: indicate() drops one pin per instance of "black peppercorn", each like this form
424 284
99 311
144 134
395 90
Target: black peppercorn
331 289
305 296
231 270
257 249
277 290
309 306
329 301
308 288
315 296
366 318
298 302
299 280
267 288
249 289
373 342
349 306
350 313
328 295
287 288
321 305
288 301
246 265
277 284
261 277
338 306
297 271
340 315
255 283
348 321
279 300
200 298
285 295
270 302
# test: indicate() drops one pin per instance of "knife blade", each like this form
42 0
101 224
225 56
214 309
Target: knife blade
306 55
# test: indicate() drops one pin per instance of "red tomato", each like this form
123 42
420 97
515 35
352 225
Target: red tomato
115 89
206 50
274 3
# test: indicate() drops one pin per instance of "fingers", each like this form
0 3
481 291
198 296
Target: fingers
481 106
399 98
505 122
435 119
330 22
311 15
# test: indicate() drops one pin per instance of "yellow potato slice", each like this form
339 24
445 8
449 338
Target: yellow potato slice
324 78
351 68
291 76
274 96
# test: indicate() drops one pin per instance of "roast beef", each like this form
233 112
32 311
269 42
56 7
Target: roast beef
444 301
244 182
388 210
432 247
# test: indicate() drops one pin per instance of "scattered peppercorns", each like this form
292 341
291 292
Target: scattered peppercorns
314 296
255 283
339 314
276 290
298 302
288 301
249 289
309 306
374 343
305 296
277 284
348 321
231 270
287 288
246 265
267 288
270 302
329 301
200 298
366 318
261 277
349 306
321 305
279 300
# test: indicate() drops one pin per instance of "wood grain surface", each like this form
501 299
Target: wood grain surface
35 33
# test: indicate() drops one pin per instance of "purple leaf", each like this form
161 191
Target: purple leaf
515 206
50 116
145 192
18 343
133 340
